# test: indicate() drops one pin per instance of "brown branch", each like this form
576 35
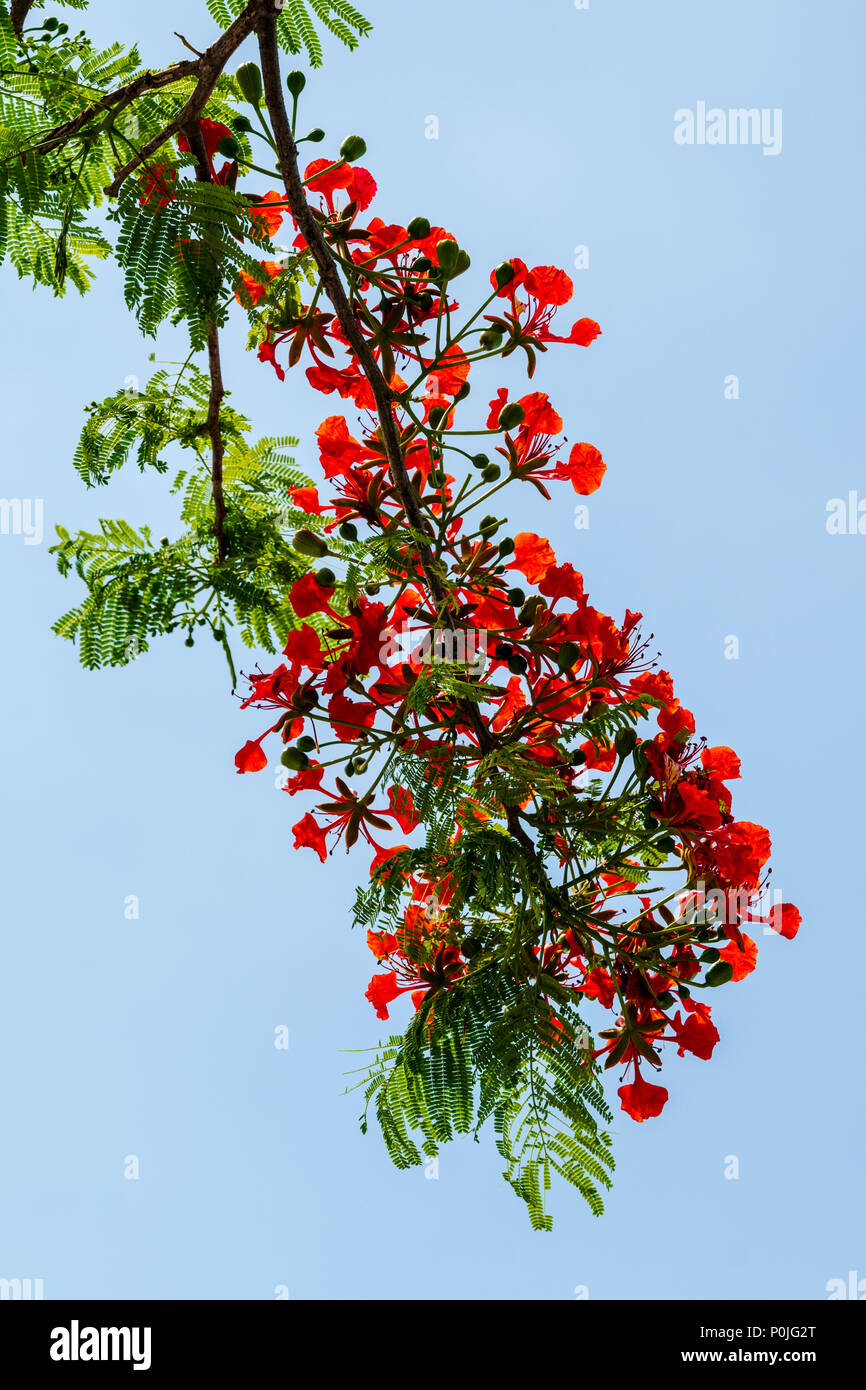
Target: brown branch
287 153
204 174
18 14
207 69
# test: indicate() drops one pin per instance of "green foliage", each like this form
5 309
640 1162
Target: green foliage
487 1047
138 589
296 26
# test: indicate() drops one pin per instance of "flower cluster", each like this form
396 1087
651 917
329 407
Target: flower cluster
563 739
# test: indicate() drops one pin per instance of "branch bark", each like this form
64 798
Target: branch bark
217 389
287 154
18 14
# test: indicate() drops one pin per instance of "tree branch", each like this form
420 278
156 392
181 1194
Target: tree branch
18 14
287 154
217 389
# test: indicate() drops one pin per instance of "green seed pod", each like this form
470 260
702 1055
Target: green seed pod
567 656
719 974
296 82
348 531
511 415
528 612
249 79
326 578
307 543
294 759
229 147
516 597
625 742
447 254
492 473
306 744
418 229
352 148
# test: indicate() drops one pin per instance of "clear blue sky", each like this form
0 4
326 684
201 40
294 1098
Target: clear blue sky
155 1037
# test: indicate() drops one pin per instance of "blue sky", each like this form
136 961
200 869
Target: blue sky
154 1037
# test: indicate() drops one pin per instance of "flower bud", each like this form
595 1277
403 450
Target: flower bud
418 228
296 82
488 525
511 415
249 79
517 664
567 656
306 744
352 148
490 339
719 974
471 946
307 543
294 759
480 460
242 125
625 742
229 147
326 578
506 547
438 415
492 473
516 597
348 531
447 254
316 136
503 274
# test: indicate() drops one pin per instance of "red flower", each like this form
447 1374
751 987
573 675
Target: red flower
269 217
785 919
403 808
698 1034
722 762
548 285
584 470
584 332
533 555
641 1100
211 133
382 991
251 758
743 960
254 289
310 835
307 498
308 596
